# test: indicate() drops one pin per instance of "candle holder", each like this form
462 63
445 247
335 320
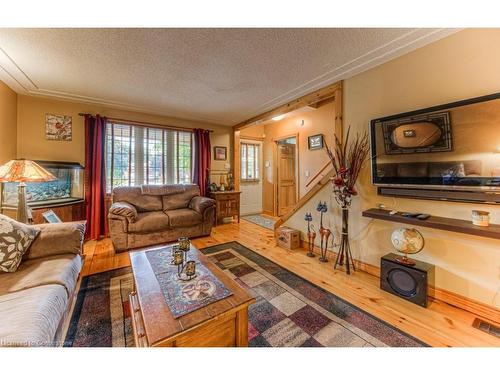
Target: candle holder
184 243
189 271
174 248
186 269
179 260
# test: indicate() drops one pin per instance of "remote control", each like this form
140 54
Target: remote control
411 214
423 216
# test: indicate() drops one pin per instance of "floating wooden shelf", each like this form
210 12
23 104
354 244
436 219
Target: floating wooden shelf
437 222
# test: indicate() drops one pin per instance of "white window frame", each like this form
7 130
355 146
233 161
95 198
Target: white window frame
244 145
170 156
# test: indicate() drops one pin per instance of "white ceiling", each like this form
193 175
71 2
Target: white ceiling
220 76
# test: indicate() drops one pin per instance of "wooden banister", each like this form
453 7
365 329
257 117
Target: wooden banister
302 201
317 174
326 178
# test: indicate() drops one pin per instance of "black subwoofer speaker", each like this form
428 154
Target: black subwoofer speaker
406 281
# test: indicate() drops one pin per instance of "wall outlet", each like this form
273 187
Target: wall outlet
307 173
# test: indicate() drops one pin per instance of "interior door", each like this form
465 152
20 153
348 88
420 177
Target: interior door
251 191
287 185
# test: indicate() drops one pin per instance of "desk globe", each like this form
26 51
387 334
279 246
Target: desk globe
407 241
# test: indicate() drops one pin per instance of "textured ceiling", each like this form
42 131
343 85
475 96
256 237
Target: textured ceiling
221 76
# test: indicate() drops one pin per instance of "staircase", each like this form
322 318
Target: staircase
325 179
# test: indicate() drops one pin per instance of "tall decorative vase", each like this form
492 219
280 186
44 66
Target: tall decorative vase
344 256
347 160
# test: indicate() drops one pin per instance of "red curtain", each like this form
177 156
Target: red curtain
95 178
202 159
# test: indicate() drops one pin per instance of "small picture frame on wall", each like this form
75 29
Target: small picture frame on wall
220 153
315 142
51 217
58 127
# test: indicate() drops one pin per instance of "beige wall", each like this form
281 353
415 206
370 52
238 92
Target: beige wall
8 121
461 66
31 142
316 121
256 131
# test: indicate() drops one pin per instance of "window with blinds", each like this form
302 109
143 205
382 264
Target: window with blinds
137 155
250 161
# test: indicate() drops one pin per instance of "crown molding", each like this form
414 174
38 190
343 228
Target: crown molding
42 93
20 82
406 43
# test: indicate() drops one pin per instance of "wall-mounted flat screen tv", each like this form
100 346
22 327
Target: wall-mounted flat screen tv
454 146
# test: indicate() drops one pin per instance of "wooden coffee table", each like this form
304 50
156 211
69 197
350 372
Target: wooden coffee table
222 323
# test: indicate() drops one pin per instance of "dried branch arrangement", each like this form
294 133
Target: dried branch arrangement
347 159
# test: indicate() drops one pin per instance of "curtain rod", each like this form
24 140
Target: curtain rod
142 123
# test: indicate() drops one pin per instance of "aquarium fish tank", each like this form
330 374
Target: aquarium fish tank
67 188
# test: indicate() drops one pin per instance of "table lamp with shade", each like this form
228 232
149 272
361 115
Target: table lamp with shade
22 171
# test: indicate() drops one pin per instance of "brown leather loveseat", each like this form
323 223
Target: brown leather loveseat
154 214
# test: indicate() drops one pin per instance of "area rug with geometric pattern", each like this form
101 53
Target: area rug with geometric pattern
289 311
101 317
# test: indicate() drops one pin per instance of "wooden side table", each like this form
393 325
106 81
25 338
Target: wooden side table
227 204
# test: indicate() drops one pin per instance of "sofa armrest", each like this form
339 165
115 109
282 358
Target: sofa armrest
56 239
200 204
123 209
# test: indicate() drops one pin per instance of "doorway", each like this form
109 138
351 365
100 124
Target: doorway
285 182
251 176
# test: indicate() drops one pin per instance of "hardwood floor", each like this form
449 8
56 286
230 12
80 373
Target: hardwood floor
438 325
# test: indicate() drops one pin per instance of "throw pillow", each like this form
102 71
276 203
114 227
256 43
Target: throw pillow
15 239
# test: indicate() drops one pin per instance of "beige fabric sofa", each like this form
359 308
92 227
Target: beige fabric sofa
154 214
35 300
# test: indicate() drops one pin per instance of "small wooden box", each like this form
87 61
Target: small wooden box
288 238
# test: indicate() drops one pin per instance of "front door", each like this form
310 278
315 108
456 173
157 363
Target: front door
287 186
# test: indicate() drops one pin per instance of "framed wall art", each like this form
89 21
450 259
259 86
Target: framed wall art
58 127
315 142
220 153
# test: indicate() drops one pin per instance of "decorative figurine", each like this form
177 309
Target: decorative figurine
311 235
323 232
